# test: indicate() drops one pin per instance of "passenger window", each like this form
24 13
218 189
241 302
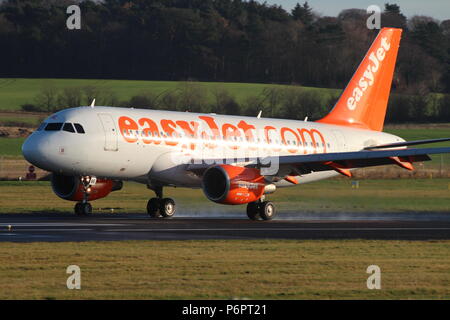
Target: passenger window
68 127
79 128
53 126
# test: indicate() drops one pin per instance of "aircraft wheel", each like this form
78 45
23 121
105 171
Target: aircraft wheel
167 207
253 211
267 210
83 209
153 207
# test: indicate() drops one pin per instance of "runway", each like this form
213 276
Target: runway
107 227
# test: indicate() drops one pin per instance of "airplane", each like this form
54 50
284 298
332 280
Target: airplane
236 160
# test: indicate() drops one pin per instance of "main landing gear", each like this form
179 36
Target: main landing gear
261 210
84 208
159 206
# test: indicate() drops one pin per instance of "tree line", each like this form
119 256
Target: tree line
213 40
287 102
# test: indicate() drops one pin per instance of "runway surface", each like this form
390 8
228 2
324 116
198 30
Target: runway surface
100 227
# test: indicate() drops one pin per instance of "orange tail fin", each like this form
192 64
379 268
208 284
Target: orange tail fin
364 101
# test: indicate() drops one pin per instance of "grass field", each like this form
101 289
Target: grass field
11 147
22 119
397 195
262 269
15 92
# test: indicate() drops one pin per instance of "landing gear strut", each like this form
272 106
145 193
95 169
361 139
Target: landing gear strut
159 206
84 208
261 210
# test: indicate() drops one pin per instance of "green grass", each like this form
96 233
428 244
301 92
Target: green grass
19 119
15 92
423 196
11 147
263 269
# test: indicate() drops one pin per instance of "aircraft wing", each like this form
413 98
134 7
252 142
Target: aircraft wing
338 161
343 161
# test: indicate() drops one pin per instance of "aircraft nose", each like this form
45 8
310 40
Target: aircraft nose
34 149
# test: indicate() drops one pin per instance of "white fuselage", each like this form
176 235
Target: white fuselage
145 145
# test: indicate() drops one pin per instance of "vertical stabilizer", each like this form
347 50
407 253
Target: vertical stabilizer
364 101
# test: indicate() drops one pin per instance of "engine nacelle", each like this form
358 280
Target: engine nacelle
71 188
233 185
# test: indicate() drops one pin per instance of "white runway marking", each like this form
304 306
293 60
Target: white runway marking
272 229
58 224
50 230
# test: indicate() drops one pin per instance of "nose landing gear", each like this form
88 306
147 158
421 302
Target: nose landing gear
84 208
159 206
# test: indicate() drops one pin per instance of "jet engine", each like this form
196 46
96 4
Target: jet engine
71 188
233 185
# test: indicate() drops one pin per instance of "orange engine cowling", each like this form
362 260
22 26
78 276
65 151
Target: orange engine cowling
71 188
228 184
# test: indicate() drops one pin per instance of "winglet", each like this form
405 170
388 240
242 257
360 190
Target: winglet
364 101
93 103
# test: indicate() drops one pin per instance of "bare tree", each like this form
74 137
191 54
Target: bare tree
46 100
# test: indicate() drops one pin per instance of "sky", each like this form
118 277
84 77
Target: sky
438 9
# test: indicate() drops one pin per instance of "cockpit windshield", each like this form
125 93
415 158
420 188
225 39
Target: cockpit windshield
54 126
79 128
68 127
57 126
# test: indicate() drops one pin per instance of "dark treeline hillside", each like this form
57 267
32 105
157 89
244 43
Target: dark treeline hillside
213 40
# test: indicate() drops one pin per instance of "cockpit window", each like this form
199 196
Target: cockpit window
68 127
42 126
79 127
53 126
